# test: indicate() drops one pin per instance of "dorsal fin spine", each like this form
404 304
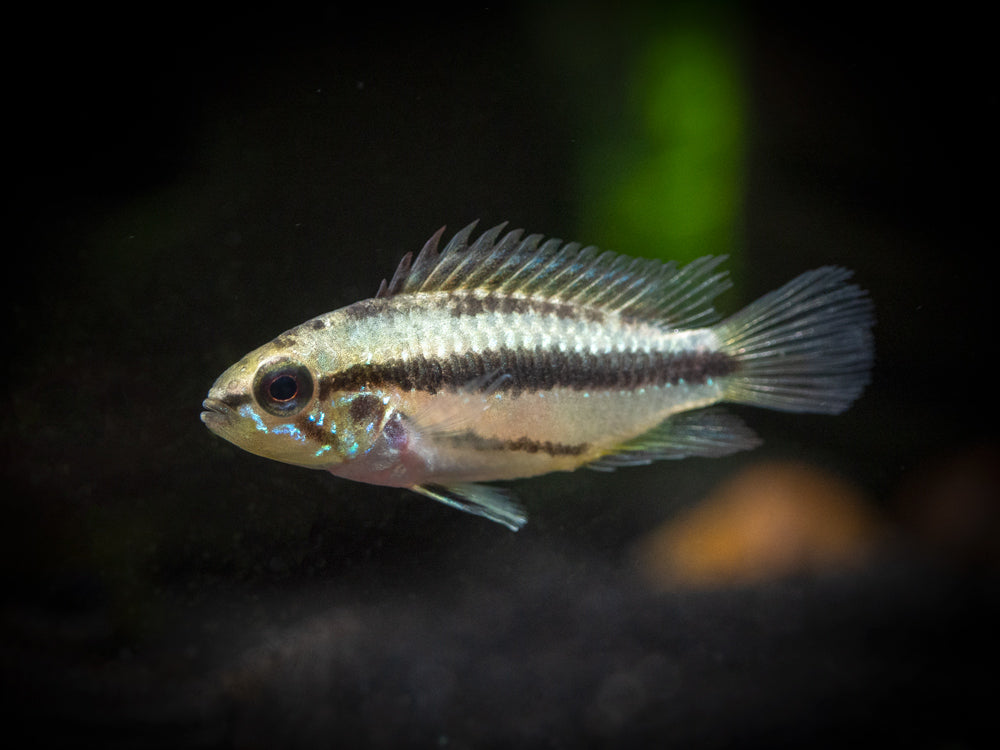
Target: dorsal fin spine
441 276
526 266
425 261
524 261
477 272
541 268
586 277
478 254
565 261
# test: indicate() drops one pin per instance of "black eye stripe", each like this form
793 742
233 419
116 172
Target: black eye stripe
283 388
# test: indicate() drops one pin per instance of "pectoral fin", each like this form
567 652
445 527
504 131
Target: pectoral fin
462 412
479 499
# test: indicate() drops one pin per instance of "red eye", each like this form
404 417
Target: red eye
283 388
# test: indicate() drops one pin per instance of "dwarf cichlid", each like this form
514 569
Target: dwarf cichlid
511 356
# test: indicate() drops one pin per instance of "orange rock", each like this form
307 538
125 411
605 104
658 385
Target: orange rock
771 520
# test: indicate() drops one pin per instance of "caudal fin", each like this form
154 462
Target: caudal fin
806 347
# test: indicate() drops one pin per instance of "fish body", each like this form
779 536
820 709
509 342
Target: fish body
512 356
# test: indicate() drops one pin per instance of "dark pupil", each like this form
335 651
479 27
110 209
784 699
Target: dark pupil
283 388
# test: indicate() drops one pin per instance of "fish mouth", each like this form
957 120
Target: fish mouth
216 414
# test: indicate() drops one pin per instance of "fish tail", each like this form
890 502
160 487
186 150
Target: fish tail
806 347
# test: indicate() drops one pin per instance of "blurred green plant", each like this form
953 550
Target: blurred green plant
662 173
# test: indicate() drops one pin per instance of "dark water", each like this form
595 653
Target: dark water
187 187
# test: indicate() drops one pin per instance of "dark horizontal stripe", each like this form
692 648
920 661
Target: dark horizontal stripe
236 400
535 370
463 303
525 444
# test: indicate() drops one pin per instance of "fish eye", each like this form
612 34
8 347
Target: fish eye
283 388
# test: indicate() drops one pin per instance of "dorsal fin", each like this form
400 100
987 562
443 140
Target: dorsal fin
565 272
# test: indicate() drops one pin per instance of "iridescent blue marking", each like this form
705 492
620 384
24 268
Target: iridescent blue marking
247 411
291 430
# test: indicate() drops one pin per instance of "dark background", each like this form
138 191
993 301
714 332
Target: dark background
184 186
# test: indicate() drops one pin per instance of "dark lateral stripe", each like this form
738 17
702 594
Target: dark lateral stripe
478 442
465 303
536 369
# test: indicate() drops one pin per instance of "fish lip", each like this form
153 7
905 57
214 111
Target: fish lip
216 412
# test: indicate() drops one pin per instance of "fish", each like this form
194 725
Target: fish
512 355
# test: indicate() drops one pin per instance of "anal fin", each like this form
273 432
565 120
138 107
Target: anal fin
711 433
479 499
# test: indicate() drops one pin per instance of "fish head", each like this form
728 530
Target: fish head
271 403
